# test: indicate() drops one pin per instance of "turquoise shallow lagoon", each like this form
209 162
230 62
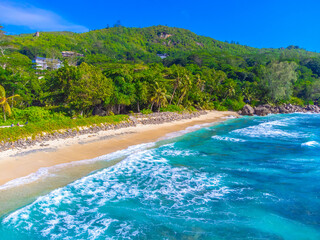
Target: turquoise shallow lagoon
249 178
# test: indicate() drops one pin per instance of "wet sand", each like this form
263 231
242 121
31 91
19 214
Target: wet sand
20 163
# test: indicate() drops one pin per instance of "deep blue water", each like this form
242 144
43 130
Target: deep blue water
249 178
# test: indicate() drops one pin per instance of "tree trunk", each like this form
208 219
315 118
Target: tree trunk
4 114
12 100
138 106
174 91
152 106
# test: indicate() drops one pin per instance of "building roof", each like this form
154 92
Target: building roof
47 59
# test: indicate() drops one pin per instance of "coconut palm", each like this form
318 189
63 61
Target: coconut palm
177 74
187 83
4 102
159 96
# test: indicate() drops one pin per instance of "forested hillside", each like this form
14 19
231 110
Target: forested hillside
159 68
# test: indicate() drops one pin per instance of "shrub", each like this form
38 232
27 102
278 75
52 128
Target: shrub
233 104
146 111
35 114
309 102
296 101
49 126
172 108
219 107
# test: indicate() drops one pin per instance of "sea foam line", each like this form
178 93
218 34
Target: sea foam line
187 130
227 139
49 171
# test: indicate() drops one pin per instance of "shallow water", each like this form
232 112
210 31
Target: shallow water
249 178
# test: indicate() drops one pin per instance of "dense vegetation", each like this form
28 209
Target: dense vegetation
157 68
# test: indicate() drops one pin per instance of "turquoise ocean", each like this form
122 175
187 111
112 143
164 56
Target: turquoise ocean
247 178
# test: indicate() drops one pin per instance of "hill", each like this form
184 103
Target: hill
144 45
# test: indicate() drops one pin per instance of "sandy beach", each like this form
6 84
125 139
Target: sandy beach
17 163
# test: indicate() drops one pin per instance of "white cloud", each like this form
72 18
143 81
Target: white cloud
35 19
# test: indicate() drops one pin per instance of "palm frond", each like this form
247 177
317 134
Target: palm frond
2 100
7 108
2 92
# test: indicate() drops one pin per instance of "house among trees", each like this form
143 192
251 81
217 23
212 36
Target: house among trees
47 63
71 54
162 56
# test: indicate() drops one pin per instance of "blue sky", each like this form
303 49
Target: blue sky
255 23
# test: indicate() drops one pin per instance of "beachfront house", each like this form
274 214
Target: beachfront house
47 63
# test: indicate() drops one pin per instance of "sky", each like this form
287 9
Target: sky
255 23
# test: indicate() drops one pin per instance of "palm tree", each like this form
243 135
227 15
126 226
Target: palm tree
187 83
160 96
4 102
177 73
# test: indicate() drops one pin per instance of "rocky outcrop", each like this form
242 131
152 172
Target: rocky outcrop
266 109
262 111
247 110
153 118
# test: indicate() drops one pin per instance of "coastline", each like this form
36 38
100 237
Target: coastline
17 163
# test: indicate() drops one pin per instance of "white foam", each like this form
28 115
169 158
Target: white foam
172 150
227 139
42 172
229 117
270 130
144 176
311 144
187 130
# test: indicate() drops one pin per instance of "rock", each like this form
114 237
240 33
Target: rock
261 111
247 110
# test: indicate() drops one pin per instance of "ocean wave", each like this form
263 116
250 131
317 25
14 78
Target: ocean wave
270 129
187 130
172 150
311 144
145 176
227 139
229 117
50 171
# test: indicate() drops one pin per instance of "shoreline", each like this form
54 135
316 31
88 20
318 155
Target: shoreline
18 163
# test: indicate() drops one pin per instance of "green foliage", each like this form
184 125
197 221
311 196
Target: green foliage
219 107
36 114
278 80
50 126
296 101
234 105
121 72
172 108
146 111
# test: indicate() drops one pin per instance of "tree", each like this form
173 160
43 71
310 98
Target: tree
4 45
90 89
278 79
186 85
180 75
4 102
313 91
82 88
159 96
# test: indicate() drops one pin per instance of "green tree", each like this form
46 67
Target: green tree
159 96
278 79
90 89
